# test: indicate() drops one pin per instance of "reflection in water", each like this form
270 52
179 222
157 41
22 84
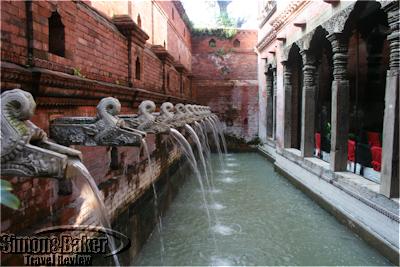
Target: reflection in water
266 221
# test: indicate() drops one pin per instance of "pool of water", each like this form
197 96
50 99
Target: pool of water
257 218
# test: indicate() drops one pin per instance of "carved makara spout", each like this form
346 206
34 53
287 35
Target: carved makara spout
146 120
25 149
106 129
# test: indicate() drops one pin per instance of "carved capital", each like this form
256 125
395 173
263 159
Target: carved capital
309 68
394 37
287 74
339 49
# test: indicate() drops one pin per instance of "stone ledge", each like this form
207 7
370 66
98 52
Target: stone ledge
354 185
376 228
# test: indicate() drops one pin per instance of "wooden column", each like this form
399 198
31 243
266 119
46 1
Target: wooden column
390 141
269 88
287 87
275 90
308 105
340 103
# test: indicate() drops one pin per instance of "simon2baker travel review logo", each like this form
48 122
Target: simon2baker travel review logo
64 245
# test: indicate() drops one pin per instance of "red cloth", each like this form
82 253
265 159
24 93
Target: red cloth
373 139
376 152
351 150
318 143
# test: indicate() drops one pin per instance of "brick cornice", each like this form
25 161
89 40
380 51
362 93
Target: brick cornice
180 68
55 88
130 29
163 54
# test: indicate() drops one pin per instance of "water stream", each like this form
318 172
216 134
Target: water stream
265 221
84 182
156 204
202 129
212 127
200 149
220 130
188 152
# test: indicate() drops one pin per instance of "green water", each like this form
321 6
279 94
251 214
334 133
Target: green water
263 220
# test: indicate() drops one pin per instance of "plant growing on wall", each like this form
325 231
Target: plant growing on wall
221 52
77 72
6 197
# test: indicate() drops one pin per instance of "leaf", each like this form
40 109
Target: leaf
8 199
5 185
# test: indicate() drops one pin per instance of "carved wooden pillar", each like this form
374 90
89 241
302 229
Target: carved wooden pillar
308 104
269 88
390 141
340 103
287 87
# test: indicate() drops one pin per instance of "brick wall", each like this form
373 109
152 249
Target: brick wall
96 47
225 78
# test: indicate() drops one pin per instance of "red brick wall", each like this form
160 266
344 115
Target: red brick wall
93 44
225 78
13 32
100 51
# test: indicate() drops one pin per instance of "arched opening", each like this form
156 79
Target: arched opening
139 21
212 43
137 69
321 49
270 76
295 63
236 43
56 35
368 60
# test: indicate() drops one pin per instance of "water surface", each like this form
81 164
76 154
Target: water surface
258 218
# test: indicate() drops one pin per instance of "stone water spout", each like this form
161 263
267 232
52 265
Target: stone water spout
106 129
182 115
148 121
25 148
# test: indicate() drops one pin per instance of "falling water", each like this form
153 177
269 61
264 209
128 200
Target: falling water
188 152
216 139
156 208
196 139
82 174
207 151
220 130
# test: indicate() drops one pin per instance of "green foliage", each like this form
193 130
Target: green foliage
226 27
352 136
6 197
220 52
221 33
77 72
256 141
328 131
